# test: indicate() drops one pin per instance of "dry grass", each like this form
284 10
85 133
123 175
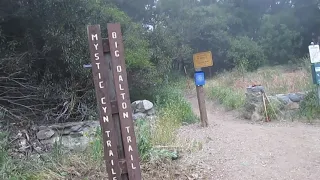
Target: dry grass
229 87
276 80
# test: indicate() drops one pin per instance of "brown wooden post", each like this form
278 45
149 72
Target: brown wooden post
123 101
202 106
110 79
201 60
100 78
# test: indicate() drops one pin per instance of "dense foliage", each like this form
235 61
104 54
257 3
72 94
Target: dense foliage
43 45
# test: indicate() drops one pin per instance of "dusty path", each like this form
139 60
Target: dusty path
234 149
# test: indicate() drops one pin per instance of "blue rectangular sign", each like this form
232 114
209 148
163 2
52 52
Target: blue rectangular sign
199 78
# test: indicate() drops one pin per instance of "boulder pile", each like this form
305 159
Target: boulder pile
142 109
285 103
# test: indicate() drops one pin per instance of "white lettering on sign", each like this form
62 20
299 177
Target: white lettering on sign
100 85
112 170
122 101
114 35
103 100
119 69
96 55
109 143
130 148
96 47
105 118
116 53
128 129
125 115
129 139
120 78
122 95
111 153
124 105
120 87
94 37
108 133
98 67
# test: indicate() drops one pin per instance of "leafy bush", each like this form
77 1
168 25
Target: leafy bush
227 96
43 48
143 134
309 107
246 53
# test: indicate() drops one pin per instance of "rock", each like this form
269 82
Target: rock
301 95
77 143
255 89
255 117
147 105
292 106
253 103
151 112
255 97
76 128
73 136
138 115
45 134
294 97
141 106
283 98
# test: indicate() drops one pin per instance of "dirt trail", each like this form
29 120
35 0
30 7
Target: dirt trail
235 149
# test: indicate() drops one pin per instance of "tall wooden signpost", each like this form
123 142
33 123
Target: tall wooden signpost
200 60
112 93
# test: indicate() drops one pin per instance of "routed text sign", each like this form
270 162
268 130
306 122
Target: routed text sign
100 77
123 99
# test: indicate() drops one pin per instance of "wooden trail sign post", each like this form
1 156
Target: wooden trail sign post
112 93
200 60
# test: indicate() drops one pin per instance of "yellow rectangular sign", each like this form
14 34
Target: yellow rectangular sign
202 59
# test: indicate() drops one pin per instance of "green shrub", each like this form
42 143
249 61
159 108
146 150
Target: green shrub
143 135
309 107
227 96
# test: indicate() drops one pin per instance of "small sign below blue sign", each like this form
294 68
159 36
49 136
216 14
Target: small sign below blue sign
199 78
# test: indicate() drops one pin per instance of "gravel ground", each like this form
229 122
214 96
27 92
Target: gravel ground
235 149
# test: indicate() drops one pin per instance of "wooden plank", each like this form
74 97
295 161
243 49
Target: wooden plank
202 106
116 119
105 44
123 98
100 78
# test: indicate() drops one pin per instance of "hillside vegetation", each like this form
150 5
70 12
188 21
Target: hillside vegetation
43 47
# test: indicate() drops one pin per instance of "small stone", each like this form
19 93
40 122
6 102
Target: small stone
283 98
76 128
294 97
147 105
139 115
151 112
292 106
45 134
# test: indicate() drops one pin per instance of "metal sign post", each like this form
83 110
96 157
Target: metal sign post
314 53
111 85
200 60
